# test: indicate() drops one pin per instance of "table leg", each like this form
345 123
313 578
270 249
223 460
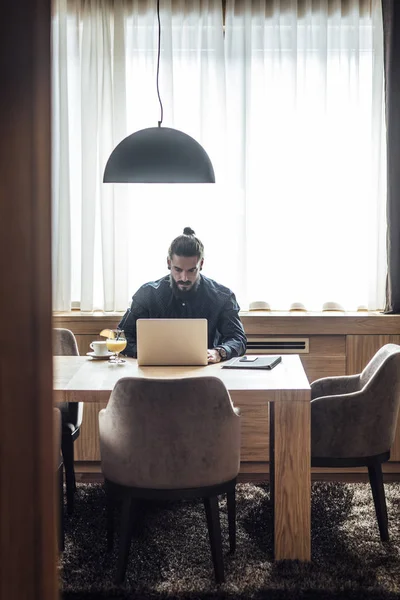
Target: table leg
292 476
271 459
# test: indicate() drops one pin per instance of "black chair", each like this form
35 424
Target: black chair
353 422
166 439
59 470
64 344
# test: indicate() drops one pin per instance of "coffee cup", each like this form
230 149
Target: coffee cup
99 348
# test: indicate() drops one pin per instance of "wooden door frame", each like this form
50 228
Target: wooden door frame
27 479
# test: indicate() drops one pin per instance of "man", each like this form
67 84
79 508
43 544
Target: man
186 293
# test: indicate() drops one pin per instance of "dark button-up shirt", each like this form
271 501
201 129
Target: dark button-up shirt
211 301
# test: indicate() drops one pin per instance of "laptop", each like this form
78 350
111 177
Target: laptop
168 342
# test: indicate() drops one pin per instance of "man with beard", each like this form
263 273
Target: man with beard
187 294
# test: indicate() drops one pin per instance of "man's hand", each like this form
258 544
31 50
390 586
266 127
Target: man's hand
213 356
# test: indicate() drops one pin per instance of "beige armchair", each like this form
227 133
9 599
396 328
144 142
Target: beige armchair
64 344
353 421
167 439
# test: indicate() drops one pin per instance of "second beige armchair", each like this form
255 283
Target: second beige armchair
166 439
64 344
353 422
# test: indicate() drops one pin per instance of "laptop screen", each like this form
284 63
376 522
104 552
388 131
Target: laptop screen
168 342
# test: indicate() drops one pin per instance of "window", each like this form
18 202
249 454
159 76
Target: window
289 106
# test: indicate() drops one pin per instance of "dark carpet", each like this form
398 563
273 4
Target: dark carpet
170 555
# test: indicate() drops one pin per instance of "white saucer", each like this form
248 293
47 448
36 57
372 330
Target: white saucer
102 357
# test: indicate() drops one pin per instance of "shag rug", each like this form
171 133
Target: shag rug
170 555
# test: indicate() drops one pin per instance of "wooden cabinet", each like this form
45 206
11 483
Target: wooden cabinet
326 357
333 345
361 348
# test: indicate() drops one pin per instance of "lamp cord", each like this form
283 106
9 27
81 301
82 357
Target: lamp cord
158 63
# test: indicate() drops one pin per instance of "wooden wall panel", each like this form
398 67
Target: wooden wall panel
328 345
86 323
323 366
255 437
326 357
395 450
255 433
259 471
87 446
360 349
281 323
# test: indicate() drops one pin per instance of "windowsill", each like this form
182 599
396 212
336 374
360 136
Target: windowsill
301 313
243 313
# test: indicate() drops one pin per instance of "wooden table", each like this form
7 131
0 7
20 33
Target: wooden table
285 388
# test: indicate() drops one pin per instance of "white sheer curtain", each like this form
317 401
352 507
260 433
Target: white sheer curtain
108 239
289 108
309 121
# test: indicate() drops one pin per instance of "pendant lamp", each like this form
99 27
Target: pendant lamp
159 154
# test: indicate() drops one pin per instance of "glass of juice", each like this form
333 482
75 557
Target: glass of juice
116 343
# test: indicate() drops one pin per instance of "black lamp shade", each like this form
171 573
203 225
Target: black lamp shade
159 155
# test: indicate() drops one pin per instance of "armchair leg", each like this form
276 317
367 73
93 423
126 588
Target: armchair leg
110 500
231 504
60 490
378 494
214 532
67 447
126 527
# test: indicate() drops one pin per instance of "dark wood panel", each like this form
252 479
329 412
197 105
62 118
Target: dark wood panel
27 471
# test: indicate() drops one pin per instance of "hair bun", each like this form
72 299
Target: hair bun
188 231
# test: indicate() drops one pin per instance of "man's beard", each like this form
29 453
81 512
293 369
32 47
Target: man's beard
179 293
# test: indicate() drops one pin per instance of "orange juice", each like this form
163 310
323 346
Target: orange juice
116 345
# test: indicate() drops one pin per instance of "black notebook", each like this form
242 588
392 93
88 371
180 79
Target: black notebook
249 362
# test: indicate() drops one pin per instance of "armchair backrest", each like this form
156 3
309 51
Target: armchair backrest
362 423
376 361
170 433
64 343
382 391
